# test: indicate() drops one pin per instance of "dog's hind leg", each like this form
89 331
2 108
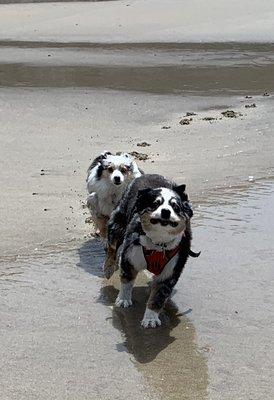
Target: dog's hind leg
116 228
115 234
92 204
110 264
102 222
128 275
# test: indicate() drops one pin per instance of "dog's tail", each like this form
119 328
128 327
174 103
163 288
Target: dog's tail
193 254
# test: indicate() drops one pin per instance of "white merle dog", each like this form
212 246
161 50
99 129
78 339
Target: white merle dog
107 178
151 225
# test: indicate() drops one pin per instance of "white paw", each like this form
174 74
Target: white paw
151 319
123 302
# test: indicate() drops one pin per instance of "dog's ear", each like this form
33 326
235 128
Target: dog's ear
143 192
105 154
188 208
180 190
103 157
142 201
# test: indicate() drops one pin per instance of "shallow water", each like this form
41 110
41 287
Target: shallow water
210 69
216 341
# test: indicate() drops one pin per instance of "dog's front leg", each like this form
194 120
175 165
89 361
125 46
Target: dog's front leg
128 275
160 292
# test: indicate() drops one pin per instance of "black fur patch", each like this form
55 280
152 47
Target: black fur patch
100 170
180 190
147 199
98 159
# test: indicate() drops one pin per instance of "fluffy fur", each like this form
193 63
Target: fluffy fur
107 178
152 217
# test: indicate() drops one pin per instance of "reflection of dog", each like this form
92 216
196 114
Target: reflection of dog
107 178
152 226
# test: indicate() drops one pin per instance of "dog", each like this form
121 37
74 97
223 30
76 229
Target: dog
151 226
107 178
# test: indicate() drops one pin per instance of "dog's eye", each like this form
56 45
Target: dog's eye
156 204
176 207
110 169
123 170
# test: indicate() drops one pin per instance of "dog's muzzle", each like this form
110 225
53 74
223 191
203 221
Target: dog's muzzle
117 180
163 222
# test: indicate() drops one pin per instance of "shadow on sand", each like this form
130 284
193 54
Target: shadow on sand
138 341
144 344
91 257
167 356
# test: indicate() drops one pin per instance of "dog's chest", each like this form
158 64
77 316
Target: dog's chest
159 263
108 196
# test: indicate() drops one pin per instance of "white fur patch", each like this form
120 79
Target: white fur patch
151 319
124 296
123 158
136 257
136 172
161 235
150 245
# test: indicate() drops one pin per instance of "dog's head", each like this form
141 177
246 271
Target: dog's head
164 212
118 168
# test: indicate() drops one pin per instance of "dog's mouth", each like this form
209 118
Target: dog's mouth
163 222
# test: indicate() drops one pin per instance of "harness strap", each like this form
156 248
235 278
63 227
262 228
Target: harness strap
157 260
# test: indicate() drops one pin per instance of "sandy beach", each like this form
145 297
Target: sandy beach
79 78
140 21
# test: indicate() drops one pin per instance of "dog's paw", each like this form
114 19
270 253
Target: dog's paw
123 302
151 319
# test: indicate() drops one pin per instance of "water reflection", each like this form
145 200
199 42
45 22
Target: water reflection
168 357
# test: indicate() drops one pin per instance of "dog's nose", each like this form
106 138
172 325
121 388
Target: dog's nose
165 214
117 180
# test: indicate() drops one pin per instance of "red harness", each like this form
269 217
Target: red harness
157 260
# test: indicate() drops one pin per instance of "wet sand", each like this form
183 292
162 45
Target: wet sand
62 338
49 136
214 69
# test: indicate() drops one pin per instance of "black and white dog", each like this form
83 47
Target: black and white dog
151 225
107 178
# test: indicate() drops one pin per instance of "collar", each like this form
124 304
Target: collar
148 244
